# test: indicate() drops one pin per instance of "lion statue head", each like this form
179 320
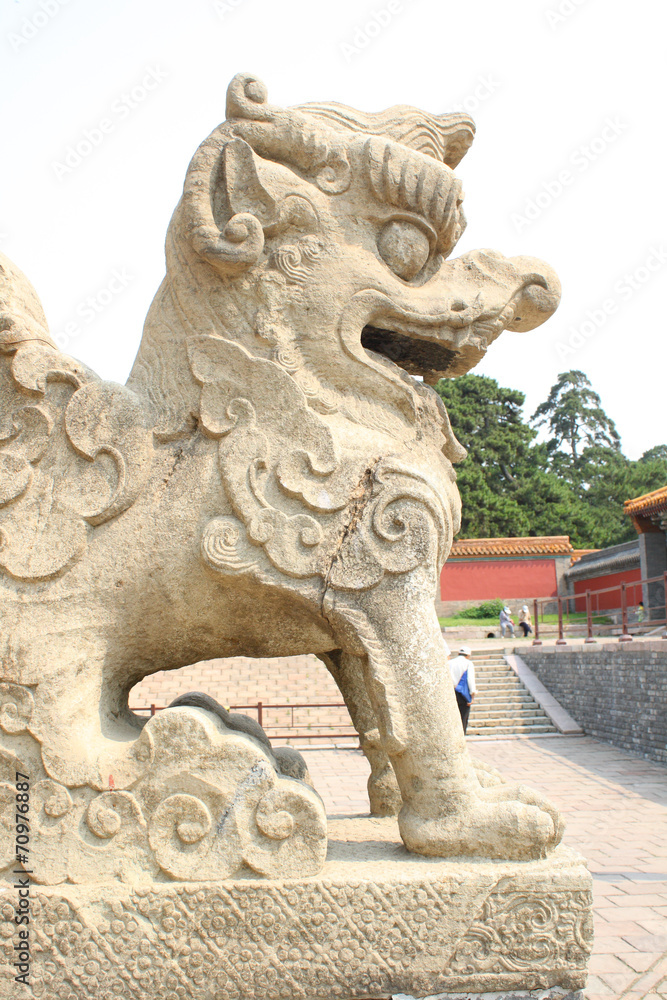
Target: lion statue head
318 237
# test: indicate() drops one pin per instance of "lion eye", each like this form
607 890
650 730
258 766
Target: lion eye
404 248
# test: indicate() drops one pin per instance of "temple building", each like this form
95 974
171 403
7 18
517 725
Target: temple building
649 516
602 572
512 569
520 569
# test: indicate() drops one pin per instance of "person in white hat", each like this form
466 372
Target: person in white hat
525 621
506 622
462 670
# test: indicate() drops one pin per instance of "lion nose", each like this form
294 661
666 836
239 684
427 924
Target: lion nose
540 295
459 311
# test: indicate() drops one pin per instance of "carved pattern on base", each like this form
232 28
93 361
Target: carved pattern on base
555 929
324 938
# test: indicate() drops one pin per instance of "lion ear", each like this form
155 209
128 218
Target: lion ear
245 191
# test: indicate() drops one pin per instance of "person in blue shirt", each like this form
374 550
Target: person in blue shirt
462 671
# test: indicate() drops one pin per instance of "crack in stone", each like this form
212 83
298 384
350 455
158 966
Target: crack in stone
359 499
179 455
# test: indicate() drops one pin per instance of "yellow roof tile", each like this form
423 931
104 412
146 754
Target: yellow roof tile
654 502
545 545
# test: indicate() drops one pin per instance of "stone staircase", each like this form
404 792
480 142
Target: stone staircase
503 706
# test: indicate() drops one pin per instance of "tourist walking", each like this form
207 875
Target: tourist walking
506 622
525 621
462 670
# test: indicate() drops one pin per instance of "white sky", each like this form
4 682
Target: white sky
548 74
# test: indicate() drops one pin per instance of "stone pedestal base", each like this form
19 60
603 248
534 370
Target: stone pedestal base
377 921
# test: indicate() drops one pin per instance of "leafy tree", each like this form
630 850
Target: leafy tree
512 485
507 488
488 421
605 478
649 473
657 454
602 479
574 415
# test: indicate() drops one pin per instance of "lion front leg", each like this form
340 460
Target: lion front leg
384 795
446 811
348 671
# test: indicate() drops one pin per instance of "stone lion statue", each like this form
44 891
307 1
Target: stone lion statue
273 480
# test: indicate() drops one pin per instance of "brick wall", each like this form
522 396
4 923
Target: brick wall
617 693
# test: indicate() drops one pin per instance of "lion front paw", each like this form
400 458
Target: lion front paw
488 776
510 823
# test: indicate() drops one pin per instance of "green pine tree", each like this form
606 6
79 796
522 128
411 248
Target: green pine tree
574 483
574 415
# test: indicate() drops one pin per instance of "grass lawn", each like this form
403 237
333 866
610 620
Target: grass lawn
575 618
477 622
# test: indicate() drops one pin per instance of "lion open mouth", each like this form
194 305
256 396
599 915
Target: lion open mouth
437 350
415 355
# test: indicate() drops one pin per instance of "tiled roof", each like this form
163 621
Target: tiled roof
549 545
601 562
580 553
650 503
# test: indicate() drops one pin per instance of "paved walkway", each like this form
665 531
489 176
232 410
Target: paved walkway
289 679
615 805
293 680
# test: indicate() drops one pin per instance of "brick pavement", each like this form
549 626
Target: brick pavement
615 805
245 681
242 680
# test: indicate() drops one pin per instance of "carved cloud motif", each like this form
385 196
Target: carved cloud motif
242 397
72 454
313 514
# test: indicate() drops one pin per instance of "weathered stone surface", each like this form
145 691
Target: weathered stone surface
375 921
271 480
203 802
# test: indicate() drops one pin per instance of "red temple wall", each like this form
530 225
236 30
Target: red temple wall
488 579
612 599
